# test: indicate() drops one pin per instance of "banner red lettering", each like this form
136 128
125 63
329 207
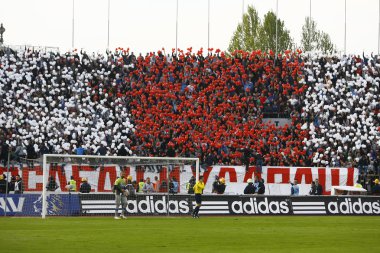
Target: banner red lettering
231 173
102 177
284 172
304 172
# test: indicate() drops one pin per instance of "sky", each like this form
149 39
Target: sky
150 25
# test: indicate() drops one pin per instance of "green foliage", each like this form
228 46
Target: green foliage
325 44
246 36
313 39
310 35
268 34
252 35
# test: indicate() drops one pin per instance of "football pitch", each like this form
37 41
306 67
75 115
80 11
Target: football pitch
179 234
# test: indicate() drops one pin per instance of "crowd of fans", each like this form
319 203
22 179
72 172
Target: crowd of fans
52 103
208 105
212 107
342 112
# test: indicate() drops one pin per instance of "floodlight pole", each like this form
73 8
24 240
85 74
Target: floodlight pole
310 10
72 34
242 10
276 30
176 31
310 37
378 37
108 35
345 26
208 26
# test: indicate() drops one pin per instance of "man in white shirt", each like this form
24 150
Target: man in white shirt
295 189
148 186
18 185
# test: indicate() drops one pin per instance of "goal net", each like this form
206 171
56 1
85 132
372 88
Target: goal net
74 185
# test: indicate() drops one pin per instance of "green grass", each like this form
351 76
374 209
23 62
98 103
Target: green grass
207 234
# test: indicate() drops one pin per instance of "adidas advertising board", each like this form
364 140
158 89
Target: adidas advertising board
349 205
361 206
245 205
260 205
182 204
152 204
159 205
234 205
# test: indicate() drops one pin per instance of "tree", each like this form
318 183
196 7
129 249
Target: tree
246 35
325 44
313 39
268 34
251 34
310 35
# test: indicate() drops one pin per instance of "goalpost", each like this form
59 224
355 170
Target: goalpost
101 171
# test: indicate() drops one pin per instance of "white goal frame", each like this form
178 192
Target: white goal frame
45 171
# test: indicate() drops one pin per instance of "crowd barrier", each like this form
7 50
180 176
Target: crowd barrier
75 204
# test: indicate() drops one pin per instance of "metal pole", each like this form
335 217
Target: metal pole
276 29
176 31
310 10
168 188
345 26
310 37
378 37
208 26
72 35
7 183
197 169
108 35
44 181
242 11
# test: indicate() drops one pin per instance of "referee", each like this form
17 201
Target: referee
198 190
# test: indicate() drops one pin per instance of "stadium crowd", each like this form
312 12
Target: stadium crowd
342 113
209 105
52 103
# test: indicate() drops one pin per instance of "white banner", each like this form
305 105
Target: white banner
276 179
